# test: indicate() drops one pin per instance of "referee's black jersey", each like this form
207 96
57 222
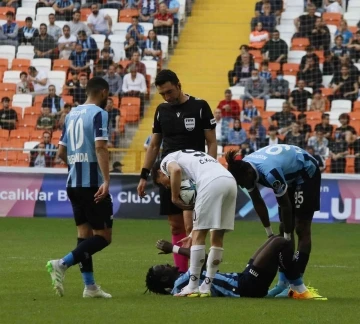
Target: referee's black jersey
182 126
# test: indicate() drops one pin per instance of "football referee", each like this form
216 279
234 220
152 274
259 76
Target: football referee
182 122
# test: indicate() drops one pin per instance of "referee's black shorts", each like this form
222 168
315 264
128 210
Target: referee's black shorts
98 215
166 205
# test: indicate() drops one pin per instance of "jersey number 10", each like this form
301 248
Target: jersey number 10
76 133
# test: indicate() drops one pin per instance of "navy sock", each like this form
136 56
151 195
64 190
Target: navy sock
88 247
86 268
302 260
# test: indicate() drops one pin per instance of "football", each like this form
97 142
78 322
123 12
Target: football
188 191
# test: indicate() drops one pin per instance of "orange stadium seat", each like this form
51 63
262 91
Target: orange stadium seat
36 135
240 103
257 56
7 158
124 63
56 136
20 64
32 111
14 143
84 14
8 87
4 64
68 99
23 159
131 107
19 112
246 127
4 10
28 122
4 135
6 94
320 55
331 18
39 100
291 69
356 106
353 29
116 101
61 65
327 92
259 104
313 115
356 124
122 123
21 23
350 165
273 68
20 133
126 15
299 44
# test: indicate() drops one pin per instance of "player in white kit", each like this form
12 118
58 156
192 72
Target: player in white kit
214 209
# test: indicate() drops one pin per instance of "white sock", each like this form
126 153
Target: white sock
197 259
212 266
287 236
269 231
299 289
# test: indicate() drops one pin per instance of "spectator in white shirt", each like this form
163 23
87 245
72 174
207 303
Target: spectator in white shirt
134 85
39 80
98 22
334 7
52 29
66 43
218 129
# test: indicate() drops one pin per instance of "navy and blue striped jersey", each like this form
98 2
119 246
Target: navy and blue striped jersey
223 285
279 166
84 125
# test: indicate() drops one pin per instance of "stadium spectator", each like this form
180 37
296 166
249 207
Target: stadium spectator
173 9
114 80
344 31
294 137
242 70
98 22
325 126
331 64
318 158
49 147
334 7
46 120
105 61
63 113
10 30
120 70
299 96
304 127
28 33
98 71
356 150
151 47
256 124
72 83
249 112
63 9
318 102
338 149
244 51
256 87
320 36
163 21
10 3
44 3
339 49
76 25
267 19
275 49
53 101
345 85
23 86
117 167
135 60
66 43
346 130
39 159
279 87
283 118
236 135
39 80
114 119
305 23
253 142
44 44
148 10
80 90
229 107
311 74
88 44
80 61
134 85
53 30
218 129
8 116
354 47
135 31
353 69
258 37
130 47
259 7
273 138
245 149
310 53
113 4
319 143
264 72
107 45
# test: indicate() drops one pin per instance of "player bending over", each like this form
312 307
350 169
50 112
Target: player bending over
214 209
83 145
254 281
295 178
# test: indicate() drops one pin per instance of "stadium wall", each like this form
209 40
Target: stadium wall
33 193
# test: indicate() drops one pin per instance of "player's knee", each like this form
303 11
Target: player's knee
303 231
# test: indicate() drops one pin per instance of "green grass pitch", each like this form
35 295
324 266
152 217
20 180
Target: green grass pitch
26 295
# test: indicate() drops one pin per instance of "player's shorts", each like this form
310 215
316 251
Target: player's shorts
166 205
254 282
215 205
305 197
99 216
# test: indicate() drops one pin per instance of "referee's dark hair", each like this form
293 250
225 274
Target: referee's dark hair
166 76
236 166
95 85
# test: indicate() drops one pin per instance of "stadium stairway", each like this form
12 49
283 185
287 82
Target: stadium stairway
207 49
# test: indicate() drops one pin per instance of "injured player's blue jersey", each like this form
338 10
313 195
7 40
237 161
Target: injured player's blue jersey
278 166
223 285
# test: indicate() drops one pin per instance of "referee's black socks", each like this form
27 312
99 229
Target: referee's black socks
302 260
88 247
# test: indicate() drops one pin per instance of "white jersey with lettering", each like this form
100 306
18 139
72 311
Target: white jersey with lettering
196 165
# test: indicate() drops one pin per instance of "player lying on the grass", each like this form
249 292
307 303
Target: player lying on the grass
295 178
214 208
254 281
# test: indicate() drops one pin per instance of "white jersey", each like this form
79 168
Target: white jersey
197 166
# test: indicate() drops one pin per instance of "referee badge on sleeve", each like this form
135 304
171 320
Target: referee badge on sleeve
189 124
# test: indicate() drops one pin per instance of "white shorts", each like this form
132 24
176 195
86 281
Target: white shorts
215 205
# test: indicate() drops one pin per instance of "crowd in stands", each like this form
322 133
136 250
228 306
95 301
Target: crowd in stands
297 82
